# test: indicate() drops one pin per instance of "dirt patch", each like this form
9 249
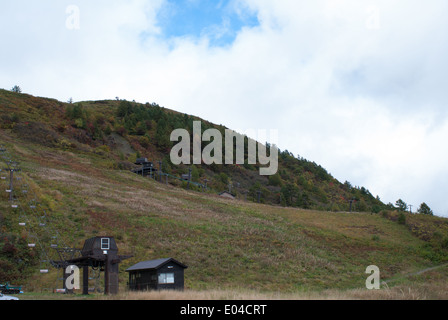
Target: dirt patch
115 141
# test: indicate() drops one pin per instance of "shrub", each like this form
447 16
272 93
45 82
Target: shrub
275 180
401 218
102 150
80 123
444 243
144 142
224 178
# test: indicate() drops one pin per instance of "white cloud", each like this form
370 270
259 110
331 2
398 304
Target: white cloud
368 104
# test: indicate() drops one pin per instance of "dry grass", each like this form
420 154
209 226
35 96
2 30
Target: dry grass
386 293
428 291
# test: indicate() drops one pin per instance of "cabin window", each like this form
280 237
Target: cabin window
105 243
165 278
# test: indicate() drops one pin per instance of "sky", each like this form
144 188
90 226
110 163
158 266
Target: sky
359 87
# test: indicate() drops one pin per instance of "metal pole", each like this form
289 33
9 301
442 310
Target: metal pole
11 186
160 171
189 178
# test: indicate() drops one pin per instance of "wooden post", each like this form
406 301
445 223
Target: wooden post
85 280
106 275
110 276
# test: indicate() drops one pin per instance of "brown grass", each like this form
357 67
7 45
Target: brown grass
386 293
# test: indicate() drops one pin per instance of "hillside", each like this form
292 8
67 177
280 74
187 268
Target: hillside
125 130
75 163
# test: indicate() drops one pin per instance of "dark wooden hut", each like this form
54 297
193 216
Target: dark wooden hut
98 252
159 274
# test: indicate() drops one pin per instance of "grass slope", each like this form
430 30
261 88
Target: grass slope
226 244
127 130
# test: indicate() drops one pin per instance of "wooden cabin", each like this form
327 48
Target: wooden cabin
159 274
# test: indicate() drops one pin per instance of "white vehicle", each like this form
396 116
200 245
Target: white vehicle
4 297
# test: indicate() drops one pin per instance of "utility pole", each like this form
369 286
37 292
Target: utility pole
160 171
11 181
150 170
410 208
351 202
189 178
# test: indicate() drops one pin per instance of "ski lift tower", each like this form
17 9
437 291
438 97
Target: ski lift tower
147 166
99 252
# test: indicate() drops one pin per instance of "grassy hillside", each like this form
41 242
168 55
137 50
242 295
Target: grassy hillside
125 130
86 189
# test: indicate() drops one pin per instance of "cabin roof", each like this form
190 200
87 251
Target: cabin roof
154 264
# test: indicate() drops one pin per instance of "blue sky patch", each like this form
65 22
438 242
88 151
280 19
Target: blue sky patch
219 21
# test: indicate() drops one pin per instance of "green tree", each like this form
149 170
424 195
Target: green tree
124 109
162 136
194 173
16 89
401 205
425 209
303 201
275 180
224 178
